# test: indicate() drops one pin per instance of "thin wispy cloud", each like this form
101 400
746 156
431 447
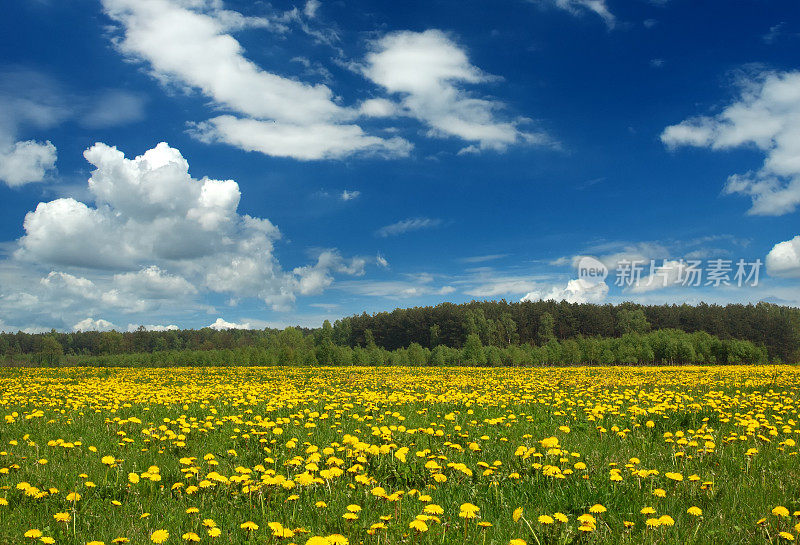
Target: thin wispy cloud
482 258
407 226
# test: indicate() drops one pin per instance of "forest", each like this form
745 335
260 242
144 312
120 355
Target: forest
490 333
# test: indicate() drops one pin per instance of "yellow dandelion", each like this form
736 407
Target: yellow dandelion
159 536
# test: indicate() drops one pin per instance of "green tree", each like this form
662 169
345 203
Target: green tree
473 353
436 336
50 351
632 321
546 333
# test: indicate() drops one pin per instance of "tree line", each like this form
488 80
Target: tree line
475 333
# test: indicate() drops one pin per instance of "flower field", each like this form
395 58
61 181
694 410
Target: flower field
400 455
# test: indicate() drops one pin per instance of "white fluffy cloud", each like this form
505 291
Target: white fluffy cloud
221 324
189 44
577 290
428 71
766 116
90 324
153 238
26 162
784 259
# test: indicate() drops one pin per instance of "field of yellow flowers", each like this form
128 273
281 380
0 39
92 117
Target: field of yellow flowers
399 455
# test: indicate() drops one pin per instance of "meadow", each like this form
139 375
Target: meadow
279 455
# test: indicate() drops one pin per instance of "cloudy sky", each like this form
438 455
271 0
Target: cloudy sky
196 162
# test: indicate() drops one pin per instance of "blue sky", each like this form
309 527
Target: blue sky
196 162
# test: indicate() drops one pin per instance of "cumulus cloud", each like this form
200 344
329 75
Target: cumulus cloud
577 290
189 44
407 225
221 324
26 162
428 71
90 324
784 259
766 116
155 236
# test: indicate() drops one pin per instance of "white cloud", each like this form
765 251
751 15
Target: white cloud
188 44
313 279
577 290
350 195
90 324
382 261
26 162
578 7
428 70
305 142
154 238
784 259
406 225
221 324
310 9
765 116
379 107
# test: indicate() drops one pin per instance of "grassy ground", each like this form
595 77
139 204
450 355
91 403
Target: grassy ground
400 455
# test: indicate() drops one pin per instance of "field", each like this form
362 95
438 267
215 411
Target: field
399 455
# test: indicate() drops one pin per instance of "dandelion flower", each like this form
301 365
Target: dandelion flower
159 536
780 511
